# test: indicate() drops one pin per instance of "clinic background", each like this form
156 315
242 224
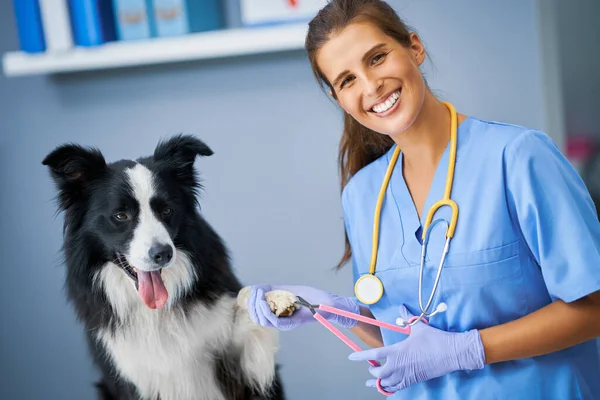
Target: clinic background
271 188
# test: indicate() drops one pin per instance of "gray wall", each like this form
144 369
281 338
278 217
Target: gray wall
579 44
271 187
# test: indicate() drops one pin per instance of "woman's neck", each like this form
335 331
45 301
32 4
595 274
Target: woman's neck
425 141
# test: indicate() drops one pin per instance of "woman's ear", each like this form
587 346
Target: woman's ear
417 48
333 95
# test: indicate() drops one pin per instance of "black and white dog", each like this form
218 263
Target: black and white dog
151 280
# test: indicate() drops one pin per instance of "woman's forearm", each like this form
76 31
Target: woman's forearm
554 327
369 334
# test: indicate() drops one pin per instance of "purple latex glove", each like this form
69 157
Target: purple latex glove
261 314
426 354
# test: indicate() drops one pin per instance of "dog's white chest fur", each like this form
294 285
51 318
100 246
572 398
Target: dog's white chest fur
165 352
168 354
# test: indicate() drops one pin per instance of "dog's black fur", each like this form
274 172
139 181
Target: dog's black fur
90 193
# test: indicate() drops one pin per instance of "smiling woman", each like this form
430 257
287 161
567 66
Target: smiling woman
525 245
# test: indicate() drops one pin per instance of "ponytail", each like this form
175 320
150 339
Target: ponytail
359 146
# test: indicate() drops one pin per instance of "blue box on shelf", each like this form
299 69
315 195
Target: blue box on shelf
205 15
92 22
29 26
179 17
133 19
170 17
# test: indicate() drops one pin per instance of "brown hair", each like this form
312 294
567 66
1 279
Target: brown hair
359 145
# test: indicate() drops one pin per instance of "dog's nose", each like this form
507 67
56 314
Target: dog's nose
161 254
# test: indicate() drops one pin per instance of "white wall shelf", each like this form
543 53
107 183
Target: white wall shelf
196 46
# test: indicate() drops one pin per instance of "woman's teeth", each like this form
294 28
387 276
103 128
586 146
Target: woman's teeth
382 107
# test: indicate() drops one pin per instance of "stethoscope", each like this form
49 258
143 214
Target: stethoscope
369 288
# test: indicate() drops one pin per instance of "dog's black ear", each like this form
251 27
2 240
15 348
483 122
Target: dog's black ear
181 149
73 168
179 153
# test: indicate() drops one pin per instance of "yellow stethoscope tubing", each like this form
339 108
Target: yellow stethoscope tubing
375 240
445 201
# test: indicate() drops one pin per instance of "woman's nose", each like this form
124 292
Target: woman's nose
373 86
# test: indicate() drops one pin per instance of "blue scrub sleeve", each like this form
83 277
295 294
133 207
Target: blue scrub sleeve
557 217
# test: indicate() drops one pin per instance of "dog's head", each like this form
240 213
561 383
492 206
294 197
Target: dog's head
129 213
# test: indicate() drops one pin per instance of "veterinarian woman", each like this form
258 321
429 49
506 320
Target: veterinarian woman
518 307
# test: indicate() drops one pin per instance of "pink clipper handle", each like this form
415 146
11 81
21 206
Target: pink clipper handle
366 320
352 345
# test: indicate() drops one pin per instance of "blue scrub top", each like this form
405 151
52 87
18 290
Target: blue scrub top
527 234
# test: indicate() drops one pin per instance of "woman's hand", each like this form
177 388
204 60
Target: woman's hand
261 314
425 354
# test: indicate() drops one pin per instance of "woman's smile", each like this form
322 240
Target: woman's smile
390 103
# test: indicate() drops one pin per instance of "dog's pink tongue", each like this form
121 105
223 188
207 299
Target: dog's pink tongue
151 289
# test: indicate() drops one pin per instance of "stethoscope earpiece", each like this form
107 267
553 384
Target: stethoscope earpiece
442 307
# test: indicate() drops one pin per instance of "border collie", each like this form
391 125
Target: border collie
151 281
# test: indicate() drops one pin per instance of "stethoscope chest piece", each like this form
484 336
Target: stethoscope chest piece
368 289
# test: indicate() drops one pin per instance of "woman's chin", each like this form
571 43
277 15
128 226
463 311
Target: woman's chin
393 126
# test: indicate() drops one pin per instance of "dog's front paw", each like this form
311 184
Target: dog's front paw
281 302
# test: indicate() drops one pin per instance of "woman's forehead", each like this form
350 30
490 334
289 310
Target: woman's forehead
345 49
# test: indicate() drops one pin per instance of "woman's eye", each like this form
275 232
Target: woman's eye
378 58
120 216
345 81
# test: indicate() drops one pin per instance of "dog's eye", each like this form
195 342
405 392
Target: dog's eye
120 216
167 211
